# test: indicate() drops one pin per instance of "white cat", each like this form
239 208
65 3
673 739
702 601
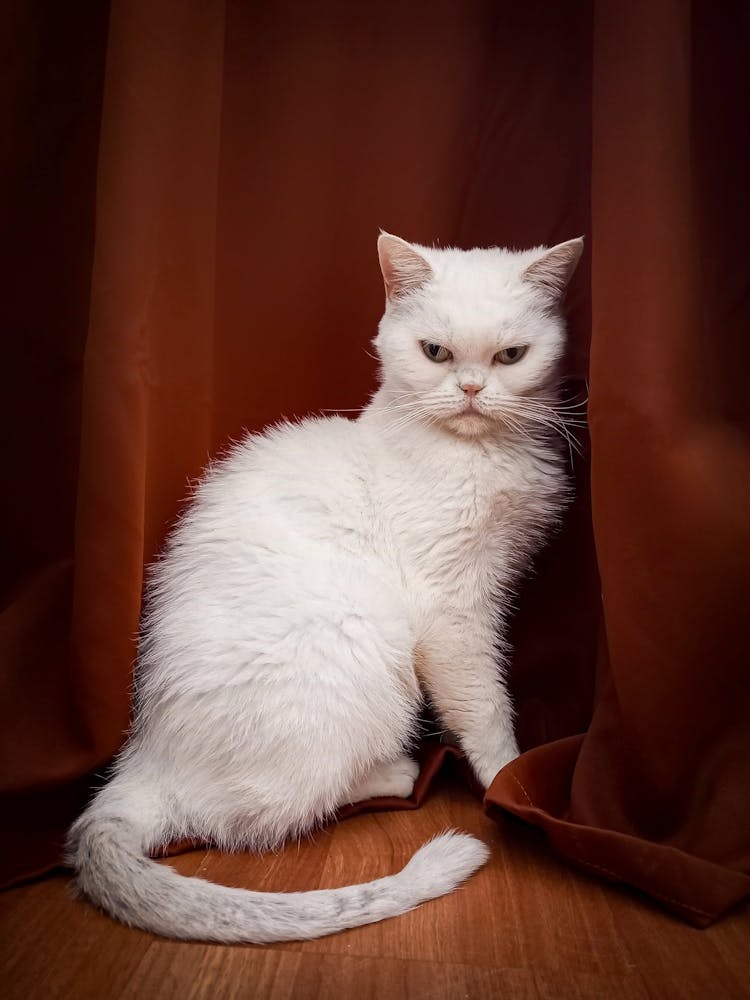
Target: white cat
327 577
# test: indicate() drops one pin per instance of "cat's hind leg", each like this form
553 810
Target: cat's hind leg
328 697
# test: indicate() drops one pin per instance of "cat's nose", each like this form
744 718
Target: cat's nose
471 388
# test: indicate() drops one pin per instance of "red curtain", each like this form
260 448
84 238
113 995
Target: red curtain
195 191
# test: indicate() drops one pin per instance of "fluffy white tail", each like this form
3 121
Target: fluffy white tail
114 873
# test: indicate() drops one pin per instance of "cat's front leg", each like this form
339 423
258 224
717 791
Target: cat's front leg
462 673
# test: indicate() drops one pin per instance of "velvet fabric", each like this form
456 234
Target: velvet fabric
193 195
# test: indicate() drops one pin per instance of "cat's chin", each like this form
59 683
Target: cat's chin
469 424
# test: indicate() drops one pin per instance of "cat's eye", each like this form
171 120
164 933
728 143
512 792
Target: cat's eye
435 352
509 355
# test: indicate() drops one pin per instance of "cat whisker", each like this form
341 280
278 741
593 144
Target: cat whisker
547 417
341 409
391 406
412 415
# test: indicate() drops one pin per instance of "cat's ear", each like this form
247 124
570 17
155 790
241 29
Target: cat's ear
403 268
554 268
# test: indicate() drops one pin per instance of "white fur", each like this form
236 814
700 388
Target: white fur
327 575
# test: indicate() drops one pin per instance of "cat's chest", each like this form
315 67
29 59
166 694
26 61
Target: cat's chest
454 521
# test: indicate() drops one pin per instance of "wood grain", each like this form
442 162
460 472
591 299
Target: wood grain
525 927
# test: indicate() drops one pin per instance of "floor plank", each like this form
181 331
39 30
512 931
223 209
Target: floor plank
526 926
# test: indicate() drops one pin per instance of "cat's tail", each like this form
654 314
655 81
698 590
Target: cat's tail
114 872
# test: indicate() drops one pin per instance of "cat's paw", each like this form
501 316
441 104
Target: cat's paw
401 777
394 778
489 765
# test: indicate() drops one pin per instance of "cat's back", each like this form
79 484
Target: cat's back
276 508
291 477
290 451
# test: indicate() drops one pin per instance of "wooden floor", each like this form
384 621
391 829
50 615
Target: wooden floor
526 926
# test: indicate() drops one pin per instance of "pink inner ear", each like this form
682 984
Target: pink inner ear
553 270
403 268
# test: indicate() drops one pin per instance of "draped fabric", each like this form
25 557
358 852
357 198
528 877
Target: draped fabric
193 192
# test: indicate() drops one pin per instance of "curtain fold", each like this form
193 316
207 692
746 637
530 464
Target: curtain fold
654 793
196 256
148 368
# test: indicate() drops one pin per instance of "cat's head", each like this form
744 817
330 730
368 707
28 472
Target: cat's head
471 339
